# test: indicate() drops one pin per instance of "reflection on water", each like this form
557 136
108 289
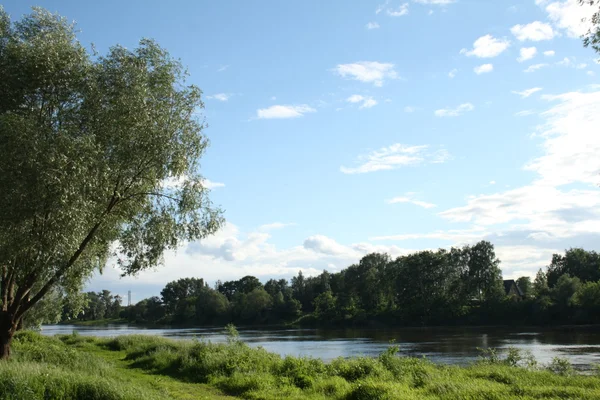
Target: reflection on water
580 345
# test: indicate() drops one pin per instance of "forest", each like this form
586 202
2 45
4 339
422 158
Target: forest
460 286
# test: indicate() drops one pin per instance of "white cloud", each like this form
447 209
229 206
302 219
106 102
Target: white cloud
591 73
367 71
535 31
570 62
212 185
219 96
492 183
526 53
398 12
487 47
527 92
382 7
569 15
284 111
544 211
176 183
355 98
454 112
372 25
452 73
534 67
549 53
325 245
367 102
483 69
524 113
409 199
571 142
232 254
396 156
222 68
410 109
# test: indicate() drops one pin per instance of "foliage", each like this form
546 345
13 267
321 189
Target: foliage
592 38
461 286
99 156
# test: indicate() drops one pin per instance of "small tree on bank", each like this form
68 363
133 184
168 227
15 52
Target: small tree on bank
99 157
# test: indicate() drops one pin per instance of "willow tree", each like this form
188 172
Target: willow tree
592 36
99 160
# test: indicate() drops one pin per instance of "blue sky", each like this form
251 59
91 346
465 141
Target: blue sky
340 128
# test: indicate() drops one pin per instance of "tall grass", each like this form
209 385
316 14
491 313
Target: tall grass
46 368
40 372
251 373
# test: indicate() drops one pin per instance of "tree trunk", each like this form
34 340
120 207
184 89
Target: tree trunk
7 331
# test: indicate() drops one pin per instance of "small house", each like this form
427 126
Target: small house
511 289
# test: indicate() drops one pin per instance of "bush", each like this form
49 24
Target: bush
561 366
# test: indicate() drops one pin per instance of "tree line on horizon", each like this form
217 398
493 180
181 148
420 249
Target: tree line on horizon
460 286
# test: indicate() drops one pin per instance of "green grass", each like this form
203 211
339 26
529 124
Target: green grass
77 367
148 367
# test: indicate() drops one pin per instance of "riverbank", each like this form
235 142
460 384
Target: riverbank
149 367
97 322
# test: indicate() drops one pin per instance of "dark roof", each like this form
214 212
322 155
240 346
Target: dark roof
508 284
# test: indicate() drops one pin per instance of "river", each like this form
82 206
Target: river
580 345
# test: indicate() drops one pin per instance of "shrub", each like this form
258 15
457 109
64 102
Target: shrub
561 366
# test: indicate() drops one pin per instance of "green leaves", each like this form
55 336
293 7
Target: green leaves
86 145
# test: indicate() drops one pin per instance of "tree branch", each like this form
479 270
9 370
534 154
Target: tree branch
59 273
157 194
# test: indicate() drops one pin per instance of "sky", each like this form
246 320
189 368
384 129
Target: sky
343 128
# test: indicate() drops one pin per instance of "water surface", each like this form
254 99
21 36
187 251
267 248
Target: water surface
580 345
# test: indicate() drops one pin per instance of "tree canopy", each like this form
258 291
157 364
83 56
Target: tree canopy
99 158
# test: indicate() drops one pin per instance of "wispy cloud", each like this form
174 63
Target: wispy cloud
212 185
483 69
570 62
396 156
222 68
535 31
398 12
526 53
219 96
367 71
408 198
524 113
372 25
410 109
534 67
177 183
487 47
527 92
366 101
454 112
549 53
284 111
452 73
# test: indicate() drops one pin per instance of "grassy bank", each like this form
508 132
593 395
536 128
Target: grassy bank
97 322
147 367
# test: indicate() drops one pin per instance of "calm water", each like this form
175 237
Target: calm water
581 345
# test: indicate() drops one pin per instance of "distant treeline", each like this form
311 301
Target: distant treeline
444 287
